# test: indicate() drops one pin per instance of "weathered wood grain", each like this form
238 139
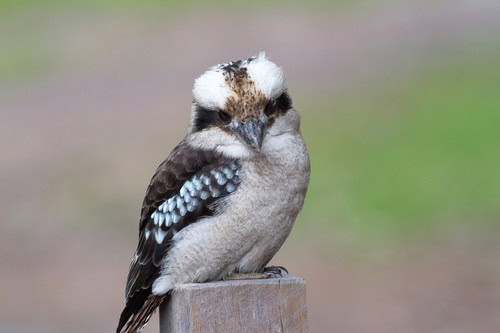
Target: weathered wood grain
268 305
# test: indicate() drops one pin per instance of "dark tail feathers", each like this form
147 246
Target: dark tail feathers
138 310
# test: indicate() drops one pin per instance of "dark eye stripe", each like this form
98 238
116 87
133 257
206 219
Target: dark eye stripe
204 118
280 105
224 116
283 102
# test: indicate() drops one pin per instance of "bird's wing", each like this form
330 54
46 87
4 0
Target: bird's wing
185 187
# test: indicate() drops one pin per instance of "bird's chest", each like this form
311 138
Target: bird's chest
271 194
268 202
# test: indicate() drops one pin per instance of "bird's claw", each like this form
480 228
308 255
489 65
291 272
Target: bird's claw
247 276
275 271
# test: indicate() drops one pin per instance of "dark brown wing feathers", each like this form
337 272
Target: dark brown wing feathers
183 163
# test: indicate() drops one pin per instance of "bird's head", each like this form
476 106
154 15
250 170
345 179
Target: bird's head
242 98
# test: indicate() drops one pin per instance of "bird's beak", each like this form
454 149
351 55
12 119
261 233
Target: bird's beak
252 132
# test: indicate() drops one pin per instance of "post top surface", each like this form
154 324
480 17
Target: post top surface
287 279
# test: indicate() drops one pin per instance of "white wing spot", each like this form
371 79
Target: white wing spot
221 180
230 187
204 195
190 187
228 173
160 235
171 204
161 218
215 193
182 210
180 202
187 197
168 220
191 207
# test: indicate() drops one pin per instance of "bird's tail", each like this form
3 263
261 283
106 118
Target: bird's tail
135 322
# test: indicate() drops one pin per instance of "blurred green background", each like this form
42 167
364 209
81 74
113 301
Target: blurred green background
400 104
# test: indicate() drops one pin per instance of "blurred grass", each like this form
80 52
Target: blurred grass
10 6
25 25
401 158
19 61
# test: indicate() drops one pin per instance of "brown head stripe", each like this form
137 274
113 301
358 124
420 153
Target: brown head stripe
246 101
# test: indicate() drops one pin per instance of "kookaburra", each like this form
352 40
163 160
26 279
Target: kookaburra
227 196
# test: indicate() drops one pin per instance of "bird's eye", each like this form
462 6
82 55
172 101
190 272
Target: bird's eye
283 102
268 109
224 116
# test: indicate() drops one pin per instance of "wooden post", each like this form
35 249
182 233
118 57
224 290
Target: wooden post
267 305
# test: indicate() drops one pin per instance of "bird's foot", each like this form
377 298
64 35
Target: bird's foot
275 271
247 276
269 272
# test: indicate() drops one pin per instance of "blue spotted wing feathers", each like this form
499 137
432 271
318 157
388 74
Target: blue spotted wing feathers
184 188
